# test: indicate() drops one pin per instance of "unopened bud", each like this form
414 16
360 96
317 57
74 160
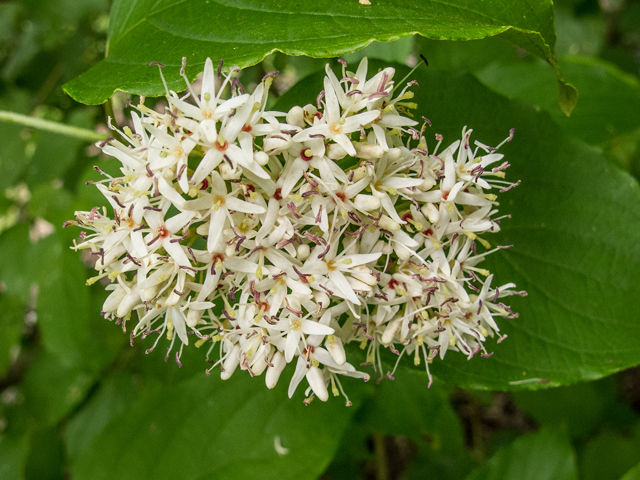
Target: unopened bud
335 151
387 223
261 158
366 203
317 383
231 363
274 371
295 116
430 211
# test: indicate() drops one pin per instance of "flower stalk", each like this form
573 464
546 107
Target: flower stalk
51 126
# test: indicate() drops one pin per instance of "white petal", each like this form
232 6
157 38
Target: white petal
343 288
233 203
179 323
293 338
208 80
298 375
314 328
211 160
216 226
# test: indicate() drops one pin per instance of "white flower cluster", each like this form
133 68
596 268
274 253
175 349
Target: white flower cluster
275 240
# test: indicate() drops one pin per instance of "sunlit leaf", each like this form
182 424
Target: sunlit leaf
245 31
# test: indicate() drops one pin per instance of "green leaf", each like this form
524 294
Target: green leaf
13 155
582 408
207 428
609 455
609 102
51 389
577 260
633 474
11 325
46 457
245 31
111 399
13 455
70 326
546 455
407 406
56 153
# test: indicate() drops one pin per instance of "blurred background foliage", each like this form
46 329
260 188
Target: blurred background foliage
65 373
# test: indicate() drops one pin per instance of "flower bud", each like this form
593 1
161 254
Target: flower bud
430 211
229 173
387 223
295 116
273 372
129 301
261 158
303 251
394 154
321 298
335 151
231 363
390 331
109 257
193 317
317 383
113 300
368 151
336 349
366 203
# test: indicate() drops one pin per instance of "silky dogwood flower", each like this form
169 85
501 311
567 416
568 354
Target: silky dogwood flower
276 242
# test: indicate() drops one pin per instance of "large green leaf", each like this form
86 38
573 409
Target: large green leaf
609 455
546 455
243 32
609 98
13 455
207 428
576 236
633 474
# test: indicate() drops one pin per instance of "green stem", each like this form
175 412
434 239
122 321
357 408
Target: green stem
50 126
382 468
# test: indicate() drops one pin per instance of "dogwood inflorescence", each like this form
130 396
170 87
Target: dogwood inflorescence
274 238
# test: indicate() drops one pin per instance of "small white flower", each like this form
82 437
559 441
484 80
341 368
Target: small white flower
241 230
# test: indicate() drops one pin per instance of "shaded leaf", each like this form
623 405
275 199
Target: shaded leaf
13 455
546 455
609 98
52 389
11 324
609 455
633 474
582 408
207 428
115 394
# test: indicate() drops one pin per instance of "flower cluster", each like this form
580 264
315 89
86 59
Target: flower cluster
276 238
